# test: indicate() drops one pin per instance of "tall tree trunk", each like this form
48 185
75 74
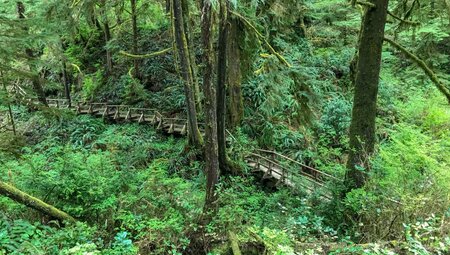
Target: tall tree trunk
35 80
195 137
109 62
221 85
235 101
362 128
136 61
188 31
10 112
211 143
106 36
66 81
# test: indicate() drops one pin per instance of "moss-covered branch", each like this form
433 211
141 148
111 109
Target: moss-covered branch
409 22
153 54
260 36
365 3
32 202
444 90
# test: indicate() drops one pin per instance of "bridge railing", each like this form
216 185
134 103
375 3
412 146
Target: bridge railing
115 111
292 172
60 103
303 169
271 167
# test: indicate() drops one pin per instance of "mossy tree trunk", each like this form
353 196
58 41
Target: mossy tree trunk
8 103
182 48
32 202
221 85
35 80
211 143
136 61
362 128
107 36
66 81
193 64
235 106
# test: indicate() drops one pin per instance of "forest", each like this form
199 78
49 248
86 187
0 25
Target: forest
225 127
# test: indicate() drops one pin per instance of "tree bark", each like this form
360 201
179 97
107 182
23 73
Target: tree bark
107 36
10 112
67 86
211 143
195 137
35 203
235 100
35 80
221 86
109 61
362 128
193 64
135 38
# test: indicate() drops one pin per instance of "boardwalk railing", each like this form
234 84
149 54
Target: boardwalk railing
290 172
285 170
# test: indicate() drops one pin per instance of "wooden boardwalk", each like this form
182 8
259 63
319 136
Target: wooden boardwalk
282 169
126 113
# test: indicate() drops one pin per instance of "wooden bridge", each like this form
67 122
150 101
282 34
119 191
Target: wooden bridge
290 172
126 113
282 169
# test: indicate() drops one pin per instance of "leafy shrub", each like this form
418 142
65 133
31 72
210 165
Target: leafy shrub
334 122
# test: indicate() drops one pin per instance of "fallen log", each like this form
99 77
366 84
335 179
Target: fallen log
32 202
234 243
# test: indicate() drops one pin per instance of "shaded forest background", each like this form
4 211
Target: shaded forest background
290 84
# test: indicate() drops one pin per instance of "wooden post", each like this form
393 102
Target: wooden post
142 118
258 166
128 116
160 124
183 130
106 112
116 115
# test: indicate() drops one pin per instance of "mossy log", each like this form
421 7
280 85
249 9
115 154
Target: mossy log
32 202
234 243
149 55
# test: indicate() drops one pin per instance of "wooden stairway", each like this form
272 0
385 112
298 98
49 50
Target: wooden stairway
126 113
284 170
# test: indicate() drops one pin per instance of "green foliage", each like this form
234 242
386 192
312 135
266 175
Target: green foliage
334 123
144 194
92 83
22 237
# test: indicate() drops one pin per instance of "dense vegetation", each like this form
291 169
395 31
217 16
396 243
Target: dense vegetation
357 89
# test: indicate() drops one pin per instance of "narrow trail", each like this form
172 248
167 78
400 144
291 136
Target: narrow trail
272 165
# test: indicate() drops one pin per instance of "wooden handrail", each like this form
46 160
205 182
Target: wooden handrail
273 165
308 176
268 160
301 164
